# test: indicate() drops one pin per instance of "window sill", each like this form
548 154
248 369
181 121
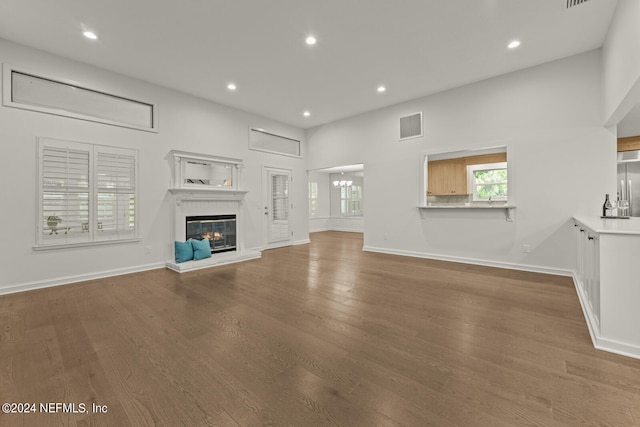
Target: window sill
84 244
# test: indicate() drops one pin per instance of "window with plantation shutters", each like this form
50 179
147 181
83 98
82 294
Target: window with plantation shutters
87 194
116 193
351 200
65 194
313 198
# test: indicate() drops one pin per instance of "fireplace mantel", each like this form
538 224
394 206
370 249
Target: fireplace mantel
207 185
206 194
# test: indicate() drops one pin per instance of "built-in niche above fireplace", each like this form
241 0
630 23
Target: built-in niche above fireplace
208 204
192 171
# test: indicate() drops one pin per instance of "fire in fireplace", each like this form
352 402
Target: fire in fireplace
220 230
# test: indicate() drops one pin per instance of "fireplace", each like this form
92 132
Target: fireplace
203 185
220 230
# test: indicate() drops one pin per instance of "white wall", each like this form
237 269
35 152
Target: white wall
621 62
321 220
185 123
562 160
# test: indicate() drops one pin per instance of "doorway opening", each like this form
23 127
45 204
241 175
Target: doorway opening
337 198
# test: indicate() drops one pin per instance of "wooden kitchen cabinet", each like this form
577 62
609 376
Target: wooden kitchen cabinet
486 158
629 143
447 177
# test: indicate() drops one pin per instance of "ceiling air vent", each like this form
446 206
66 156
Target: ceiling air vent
572 3
411 126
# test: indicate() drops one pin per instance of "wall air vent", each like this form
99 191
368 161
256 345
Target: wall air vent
411 126
572 3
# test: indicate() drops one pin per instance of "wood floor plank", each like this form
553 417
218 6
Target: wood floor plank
12 348
314 335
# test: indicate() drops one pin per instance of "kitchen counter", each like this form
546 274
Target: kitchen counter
465 206
611 225
469 206
607 281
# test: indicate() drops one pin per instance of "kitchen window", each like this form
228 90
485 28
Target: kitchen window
87 194
488 182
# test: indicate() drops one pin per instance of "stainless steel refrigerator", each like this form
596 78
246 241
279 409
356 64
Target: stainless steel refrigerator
629 180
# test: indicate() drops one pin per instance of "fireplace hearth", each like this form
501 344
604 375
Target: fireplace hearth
219 230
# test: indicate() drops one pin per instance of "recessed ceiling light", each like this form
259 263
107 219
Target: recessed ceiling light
381 89
306 114
232 86
514 44
90 35
311 40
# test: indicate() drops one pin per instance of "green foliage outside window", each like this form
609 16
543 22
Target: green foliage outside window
491 183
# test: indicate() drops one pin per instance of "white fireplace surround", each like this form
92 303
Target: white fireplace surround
200 200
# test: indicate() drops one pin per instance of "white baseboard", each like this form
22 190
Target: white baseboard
346 229
79 278
343 229
301 242
589 317
318 230
616 347
598 341
475 261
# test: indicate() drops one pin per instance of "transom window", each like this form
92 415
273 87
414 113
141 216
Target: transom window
64 97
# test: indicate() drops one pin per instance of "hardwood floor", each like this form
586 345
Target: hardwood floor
313 335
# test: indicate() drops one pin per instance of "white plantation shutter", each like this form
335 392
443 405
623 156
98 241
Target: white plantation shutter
116 193
87 193
64 195
280 191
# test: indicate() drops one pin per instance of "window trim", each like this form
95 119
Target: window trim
472 182
93 191
7 99
255 131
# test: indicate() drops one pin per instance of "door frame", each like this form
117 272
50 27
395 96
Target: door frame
266 200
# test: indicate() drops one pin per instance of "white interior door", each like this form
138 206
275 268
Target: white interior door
277 207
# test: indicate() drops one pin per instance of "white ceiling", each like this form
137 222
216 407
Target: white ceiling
413 47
